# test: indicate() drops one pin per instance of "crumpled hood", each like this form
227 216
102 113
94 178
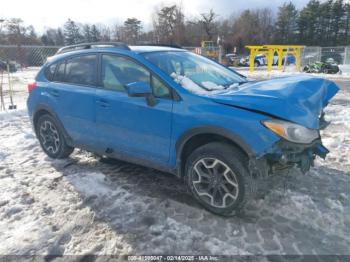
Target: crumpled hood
299 99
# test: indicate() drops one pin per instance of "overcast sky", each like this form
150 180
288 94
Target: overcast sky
47 13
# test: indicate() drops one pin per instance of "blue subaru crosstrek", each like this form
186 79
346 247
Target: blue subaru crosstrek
173 110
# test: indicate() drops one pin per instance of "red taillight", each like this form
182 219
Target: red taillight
31 86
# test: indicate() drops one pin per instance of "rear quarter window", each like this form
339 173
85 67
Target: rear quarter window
50 71
59 75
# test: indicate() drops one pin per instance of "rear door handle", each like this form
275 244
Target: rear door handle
102 103
55 93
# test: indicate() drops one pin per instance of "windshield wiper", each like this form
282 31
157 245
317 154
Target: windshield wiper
230 84
242 82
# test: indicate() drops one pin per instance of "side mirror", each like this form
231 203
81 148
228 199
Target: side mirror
138 89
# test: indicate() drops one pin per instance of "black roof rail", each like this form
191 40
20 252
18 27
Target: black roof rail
69 48
165 45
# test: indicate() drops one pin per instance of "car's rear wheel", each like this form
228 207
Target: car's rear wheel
51 138
217 176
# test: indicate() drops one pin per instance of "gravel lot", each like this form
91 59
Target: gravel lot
83 205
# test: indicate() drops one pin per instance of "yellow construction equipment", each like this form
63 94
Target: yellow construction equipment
210 49
269 51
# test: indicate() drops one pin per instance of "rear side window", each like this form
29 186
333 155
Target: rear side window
59 75
50 72
81 70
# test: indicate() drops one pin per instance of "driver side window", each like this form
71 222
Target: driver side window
117 72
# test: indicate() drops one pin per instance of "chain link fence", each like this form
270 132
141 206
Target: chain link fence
340 54
347 56
25 56
311 54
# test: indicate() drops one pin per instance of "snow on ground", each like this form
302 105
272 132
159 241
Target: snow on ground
83 205
262 73
19 81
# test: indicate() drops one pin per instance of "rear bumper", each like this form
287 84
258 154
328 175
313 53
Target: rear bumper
285 155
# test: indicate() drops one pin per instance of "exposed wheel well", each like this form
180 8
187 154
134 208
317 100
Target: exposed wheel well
200 140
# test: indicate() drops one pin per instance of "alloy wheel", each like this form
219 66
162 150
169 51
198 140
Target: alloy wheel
215 183
49 137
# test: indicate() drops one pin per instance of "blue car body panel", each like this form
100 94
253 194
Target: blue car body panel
134 128
242 124
101 118
298 99
75 107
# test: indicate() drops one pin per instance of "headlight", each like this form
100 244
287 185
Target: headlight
292 132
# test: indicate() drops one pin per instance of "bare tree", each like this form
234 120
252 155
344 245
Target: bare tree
169 25
105 32
16 32
207 20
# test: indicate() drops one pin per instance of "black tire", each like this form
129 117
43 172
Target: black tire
235 160
256 64
55 149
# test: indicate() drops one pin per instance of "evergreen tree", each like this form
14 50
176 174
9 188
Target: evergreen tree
286 24
95 34
169 25
308 23
87 33
345 39
323 31
59 37
71 33
132 28
336 25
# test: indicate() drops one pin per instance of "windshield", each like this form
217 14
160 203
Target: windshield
194 72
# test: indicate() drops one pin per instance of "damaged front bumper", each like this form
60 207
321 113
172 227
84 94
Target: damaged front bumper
285 155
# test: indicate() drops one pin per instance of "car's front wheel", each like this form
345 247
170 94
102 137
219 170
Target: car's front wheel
51 138
217 176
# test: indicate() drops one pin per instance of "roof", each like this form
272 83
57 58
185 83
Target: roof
137 49
151 48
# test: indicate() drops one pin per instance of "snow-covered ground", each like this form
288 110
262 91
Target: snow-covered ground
262 73
83 205
19 81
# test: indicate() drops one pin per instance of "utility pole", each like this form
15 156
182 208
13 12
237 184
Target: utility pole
219 43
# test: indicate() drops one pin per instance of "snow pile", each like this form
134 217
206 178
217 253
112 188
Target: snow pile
336 137
188 84
345 69
212 86
209 87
